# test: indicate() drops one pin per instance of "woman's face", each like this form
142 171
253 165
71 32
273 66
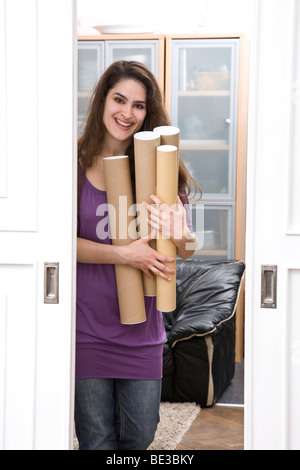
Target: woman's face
124 110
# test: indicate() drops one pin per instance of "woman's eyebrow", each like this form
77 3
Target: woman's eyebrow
121 96
124 98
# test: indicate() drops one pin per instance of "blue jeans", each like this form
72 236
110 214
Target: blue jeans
116 414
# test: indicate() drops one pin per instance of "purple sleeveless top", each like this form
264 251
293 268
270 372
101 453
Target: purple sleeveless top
104 347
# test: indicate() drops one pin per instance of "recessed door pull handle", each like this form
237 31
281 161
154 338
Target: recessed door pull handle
268 286
51 283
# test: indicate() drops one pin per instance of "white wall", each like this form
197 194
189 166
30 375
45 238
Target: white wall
170 16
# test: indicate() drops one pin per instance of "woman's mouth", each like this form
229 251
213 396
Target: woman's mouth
122 124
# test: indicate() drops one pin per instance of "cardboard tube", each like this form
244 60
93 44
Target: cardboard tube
145 144
169 135
123 231
167 189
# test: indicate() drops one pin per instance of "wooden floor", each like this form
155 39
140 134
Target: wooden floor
216 428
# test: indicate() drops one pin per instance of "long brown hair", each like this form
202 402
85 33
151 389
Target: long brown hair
91 141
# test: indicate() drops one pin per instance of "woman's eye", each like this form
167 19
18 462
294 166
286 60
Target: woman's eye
118 100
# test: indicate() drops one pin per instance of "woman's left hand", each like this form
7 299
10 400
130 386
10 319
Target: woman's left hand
169 221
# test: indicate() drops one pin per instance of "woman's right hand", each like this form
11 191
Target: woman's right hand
140 255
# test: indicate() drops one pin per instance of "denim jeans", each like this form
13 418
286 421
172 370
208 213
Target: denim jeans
116 414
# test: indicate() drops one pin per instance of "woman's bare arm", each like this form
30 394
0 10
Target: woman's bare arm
137 254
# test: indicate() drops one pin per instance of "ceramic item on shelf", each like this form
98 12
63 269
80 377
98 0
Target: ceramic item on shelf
122 28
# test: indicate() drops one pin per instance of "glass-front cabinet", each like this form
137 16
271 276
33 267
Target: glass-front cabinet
203 85
140 51
90 68
204 105
94 56
205 82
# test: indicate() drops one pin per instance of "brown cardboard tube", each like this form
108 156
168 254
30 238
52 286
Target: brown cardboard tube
123 231
169 135
167 189
145 144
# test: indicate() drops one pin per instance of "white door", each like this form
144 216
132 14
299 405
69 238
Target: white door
273 231
37 172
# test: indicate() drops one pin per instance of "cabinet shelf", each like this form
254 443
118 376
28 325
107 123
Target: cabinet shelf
212 253
84 94
204 145
203 93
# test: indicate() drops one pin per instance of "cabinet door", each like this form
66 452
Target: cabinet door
90 68
145 51
204 100
204 94
214 228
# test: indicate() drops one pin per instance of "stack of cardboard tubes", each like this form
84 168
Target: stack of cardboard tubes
156 170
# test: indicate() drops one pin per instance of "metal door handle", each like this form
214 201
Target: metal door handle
51 283
268 286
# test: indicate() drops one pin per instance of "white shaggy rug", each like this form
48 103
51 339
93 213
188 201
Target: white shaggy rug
175 421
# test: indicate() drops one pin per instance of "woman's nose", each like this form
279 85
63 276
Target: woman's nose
127 111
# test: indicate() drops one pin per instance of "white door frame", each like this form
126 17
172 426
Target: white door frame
272 351
38 219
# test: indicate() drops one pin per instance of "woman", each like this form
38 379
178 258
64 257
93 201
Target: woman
119 367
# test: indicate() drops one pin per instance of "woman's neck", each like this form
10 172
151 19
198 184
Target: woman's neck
113 148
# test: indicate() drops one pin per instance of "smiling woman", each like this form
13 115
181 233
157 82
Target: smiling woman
117 365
